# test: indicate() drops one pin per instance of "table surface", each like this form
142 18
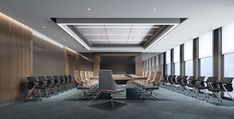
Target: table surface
122 77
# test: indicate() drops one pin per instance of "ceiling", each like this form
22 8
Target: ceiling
116 34
141 33
202 16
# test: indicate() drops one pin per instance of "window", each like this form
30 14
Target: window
177 60
168 69
228 52
205 54
206 45
228 39
188 58
206 66
177 68
189 68
168 62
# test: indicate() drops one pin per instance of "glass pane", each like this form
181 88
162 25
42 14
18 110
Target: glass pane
168 69
168 57
177 68
177 54
189 68
206 66
228 39
229 69
188 50
205 45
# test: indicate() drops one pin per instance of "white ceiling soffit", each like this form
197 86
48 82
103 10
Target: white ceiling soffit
115 34
203 16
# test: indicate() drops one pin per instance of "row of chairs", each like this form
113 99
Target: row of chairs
151 81
200 85
49 84
86 81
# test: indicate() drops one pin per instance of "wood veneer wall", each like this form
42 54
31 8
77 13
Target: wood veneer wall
48 64
84 64
70 62
15 58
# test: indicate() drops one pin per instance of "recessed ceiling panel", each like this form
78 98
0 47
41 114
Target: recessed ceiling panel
109 32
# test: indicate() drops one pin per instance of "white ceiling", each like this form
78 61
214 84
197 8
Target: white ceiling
203 16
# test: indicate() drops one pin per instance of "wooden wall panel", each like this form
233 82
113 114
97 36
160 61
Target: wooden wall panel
48 64
15 58
70 62
84 64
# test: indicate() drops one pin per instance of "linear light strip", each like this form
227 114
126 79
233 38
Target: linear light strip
118 39
143 24
74 36
43 37
71 50
116 27
15 21
35 33
118 34
175 25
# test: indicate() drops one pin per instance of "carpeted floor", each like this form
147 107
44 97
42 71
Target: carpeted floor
171 105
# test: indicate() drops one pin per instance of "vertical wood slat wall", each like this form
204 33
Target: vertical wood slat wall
15 58
73 61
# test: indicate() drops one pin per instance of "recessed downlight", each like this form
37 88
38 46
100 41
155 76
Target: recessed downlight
44 27
154 9
89 9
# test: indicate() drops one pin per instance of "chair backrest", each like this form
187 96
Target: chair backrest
201 78
226 80
227 83
211 79
146 74
143 74
106 81
77 77
192 78
152 76
178 78
41 78
86 74
31 82
82 76
157 77
149 75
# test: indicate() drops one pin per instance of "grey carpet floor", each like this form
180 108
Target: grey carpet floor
171 105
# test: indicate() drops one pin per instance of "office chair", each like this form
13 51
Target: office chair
46 84
108 85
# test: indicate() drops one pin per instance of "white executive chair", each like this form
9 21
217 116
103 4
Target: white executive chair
108 85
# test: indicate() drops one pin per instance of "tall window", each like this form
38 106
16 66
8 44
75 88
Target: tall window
228 52
177 60
188 58
205 54
157 63
168 62
161 63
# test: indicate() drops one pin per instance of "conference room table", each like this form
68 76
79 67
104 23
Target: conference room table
122 78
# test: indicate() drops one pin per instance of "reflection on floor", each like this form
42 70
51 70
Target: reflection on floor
171 106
